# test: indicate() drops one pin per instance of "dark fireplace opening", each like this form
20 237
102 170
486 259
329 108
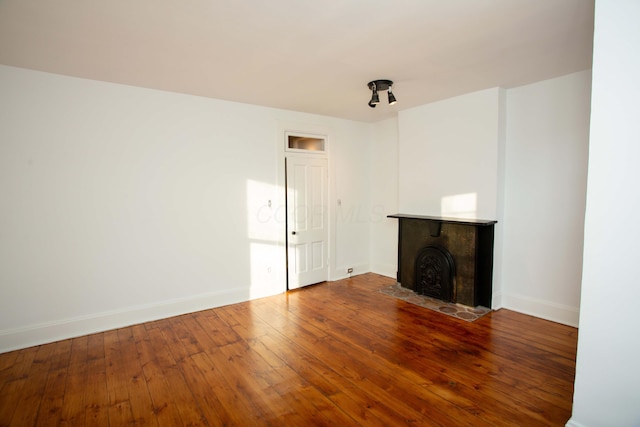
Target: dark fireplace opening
435 273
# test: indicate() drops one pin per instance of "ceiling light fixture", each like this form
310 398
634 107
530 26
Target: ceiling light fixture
380 85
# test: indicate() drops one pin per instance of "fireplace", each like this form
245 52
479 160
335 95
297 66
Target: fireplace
446 258
435 272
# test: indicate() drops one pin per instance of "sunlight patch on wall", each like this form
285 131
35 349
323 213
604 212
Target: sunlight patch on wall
459 205
264 214
265 224
263 258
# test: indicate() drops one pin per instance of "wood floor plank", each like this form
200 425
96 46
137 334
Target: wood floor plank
164 408
289 385
7 362
96 394
517 376
236 365
119 406
499 360
266 374
337 353
182 393
217 366
448 359
362 407
21 365
50 411
446 386
204 382
449 345
379 376
73 406
139 398
26 409
11 393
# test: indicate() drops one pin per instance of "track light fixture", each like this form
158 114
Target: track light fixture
392 98
380 85
375 99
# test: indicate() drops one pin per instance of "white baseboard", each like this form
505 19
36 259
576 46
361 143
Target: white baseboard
38 334
572 423
540 308
341 272
388 270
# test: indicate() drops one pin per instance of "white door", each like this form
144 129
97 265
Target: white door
307 221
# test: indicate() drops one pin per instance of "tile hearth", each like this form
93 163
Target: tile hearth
451 309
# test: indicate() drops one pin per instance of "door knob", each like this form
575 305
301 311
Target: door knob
293 232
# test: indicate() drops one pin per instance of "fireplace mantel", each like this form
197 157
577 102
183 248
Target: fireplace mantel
470 243
448 220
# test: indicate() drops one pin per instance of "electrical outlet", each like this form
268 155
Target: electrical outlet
349 270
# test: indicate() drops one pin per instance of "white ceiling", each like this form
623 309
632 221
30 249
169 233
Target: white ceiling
303 55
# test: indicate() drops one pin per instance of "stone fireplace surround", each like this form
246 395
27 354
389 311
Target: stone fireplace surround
469 243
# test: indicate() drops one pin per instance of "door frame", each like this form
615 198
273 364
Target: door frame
312 130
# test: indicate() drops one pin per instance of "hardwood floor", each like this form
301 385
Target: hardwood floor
338 353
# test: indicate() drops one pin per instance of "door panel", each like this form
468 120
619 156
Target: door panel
307 221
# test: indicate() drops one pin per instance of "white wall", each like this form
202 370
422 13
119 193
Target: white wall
545 189
384 197
448 157
351 157
122 204
607 386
